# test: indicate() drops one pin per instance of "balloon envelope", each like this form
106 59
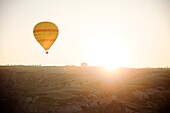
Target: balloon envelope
46 33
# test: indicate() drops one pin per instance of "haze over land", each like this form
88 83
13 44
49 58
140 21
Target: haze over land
83 90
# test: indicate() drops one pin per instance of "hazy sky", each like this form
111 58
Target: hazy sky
92 31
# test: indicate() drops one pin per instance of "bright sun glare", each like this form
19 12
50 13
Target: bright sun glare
108 52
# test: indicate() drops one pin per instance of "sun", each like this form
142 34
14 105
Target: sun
108 52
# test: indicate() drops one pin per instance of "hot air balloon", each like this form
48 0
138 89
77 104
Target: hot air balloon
45 33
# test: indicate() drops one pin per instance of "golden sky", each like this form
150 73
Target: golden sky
109 33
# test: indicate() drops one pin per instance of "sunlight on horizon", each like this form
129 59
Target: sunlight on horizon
108 51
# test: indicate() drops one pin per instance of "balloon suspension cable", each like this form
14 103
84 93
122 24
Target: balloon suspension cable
46 52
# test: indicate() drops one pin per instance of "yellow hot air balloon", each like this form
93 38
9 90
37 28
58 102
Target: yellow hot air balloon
46 33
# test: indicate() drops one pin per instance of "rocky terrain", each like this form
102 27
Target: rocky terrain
33 89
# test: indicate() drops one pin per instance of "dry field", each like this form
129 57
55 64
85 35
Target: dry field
31 89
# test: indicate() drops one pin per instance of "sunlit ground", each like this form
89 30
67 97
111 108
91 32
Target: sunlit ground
108 52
